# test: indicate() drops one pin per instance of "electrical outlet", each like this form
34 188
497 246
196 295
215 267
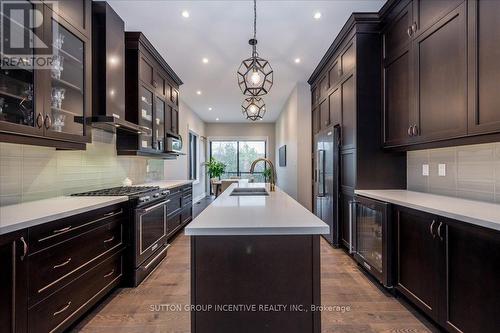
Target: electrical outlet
442 170
425 170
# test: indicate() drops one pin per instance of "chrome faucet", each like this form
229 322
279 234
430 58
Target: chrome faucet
273 174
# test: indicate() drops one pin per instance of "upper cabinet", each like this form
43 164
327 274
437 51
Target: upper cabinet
152 99
47 104
484 67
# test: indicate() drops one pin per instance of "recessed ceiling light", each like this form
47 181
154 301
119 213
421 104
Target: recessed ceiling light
209 109
317 15
198 92
185 14
216 119
205 60
297 60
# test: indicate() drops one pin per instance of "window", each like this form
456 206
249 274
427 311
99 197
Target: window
238 157
193 156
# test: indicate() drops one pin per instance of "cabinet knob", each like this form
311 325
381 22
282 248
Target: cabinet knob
432 229
48 122
414 27
155 84
409 31
439 231
25 249
409 131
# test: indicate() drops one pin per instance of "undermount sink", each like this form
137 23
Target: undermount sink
249 191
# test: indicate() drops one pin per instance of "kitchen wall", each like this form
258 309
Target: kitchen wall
179 168
472 172
32 173
243 130
292 129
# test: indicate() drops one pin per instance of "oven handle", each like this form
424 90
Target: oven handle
146 210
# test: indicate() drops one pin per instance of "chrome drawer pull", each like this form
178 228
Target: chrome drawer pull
110 273
63 264
110 239
61 230
62 310
113 213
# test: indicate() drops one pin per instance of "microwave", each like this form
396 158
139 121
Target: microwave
174 144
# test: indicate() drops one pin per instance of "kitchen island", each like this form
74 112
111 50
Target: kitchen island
255 264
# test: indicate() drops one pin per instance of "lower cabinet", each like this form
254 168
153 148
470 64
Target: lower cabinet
13 282
55 272
179 209
449 269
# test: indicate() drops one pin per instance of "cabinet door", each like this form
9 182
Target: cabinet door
145 70
159 124
335 73
168 119
335 101
427 13
441 79
159 83
13 283
324 114
21 87
348 60
484 67
348 113
345 219
175 121
76 12
397 104
146 117
315 120
472 275
418 259
67 98
397 34
324 85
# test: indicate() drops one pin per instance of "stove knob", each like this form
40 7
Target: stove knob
165 192
156 195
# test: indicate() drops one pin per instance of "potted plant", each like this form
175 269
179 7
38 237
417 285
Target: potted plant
215 168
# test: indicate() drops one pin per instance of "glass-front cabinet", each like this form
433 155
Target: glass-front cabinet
46 95
146 118
159 125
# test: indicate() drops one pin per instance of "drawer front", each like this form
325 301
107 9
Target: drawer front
52 268
49 234
187 200
174 204
175 191
58 311
187 214
173 222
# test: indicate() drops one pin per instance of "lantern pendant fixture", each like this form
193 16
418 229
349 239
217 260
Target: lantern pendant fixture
255 74
254 108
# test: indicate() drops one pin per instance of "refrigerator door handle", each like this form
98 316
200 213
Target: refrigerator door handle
321 173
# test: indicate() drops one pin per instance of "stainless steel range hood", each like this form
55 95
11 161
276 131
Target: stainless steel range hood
113 123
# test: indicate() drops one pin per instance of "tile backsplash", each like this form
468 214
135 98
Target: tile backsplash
32 173
471 172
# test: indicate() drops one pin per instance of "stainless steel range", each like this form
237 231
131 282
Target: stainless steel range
148 238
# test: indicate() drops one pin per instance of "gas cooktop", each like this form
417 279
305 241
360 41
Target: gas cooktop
118 191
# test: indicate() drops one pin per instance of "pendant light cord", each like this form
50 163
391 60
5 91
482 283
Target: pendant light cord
254 19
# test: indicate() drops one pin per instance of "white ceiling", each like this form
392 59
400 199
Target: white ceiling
219 31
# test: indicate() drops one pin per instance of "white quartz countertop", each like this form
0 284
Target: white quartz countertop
276 214
475 212
28 214
167 183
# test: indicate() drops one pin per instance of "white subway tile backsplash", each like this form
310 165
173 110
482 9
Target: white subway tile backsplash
32 173
472 172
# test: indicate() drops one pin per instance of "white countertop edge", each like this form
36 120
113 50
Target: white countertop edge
256 231
56 216
168 184
445 213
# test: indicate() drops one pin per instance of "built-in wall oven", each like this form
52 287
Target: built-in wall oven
371 234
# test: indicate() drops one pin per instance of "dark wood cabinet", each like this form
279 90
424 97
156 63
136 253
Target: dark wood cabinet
484 68
471 255
179 209
441 79
418 272
48 106
13 282
152 99
428 12
449 270
324 114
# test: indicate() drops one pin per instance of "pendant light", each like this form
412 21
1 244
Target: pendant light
255 75
254 108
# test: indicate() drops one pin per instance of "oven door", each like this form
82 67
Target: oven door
371 237
151 230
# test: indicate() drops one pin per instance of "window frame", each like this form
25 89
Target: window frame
193 164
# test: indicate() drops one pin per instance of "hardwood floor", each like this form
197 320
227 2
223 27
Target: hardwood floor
364 308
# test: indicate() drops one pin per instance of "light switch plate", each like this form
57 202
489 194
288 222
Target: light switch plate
425 170
442 170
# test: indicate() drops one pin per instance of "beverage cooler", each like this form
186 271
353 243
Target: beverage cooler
371 237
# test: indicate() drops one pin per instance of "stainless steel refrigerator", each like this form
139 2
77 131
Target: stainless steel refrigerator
326 180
